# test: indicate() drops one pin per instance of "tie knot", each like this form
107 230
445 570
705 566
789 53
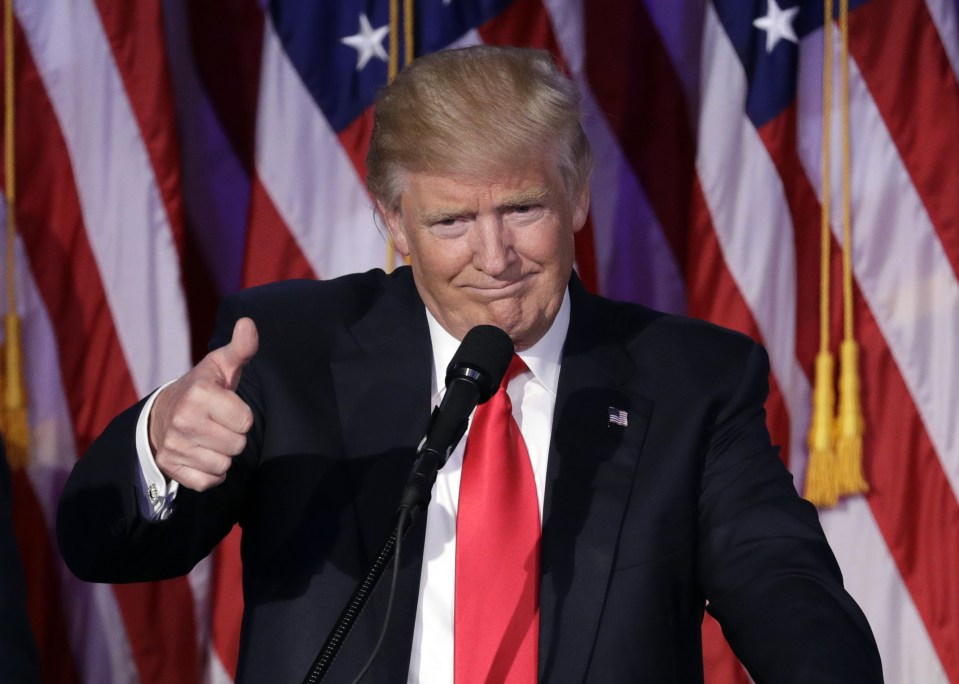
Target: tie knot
516 367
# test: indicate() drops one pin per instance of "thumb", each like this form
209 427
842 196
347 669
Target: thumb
231 358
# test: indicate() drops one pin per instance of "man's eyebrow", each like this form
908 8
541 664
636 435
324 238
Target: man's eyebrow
525 197
431 216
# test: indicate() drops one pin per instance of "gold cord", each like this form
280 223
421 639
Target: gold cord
13 412
821 487
850 424
408 55
835 441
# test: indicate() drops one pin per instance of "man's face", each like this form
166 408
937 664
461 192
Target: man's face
490 252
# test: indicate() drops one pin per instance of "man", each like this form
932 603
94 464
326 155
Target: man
655 480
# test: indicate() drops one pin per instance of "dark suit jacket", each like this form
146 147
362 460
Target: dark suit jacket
18 653
642 524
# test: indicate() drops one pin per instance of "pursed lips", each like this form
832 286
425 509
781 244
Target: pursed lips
496 289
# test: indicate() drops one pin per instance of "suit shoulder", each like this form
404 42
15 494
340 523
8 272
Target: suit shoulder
295 309
662 343
631 320
345 293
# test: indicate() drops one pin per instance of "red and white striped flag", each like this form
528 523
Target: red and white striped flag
170 152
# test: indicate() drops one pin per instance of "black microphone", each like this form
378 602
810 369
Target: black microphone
472 377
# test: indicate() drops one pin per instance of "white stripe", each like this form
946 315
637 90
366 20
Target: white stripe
872 578
566 17
943 14
744 193
309 176
124 215
97 633
898 260
215 672
200 580
94 625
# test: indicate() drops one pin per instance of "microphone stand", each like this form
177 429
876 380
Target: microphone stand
357 602
416 496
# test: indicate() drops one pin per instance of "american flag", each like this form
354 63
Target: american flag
170 152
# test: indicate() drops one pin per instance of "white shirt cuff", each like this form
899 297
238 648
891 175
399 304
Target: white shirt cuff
156 494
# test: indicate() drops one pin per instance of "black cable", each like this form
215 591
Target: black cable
404 514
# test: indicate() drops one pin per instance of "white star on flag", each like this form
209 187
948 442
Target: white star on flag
777 24
368 43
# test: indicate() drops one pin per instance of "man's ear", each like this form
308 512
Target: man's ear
581 209
394 225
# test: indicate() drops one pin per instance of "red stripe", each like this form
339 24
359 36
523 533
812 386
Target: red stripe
271 253
526 23
135 33
628 69
227 603
41 568
780 138
586 256
355 139
898 51
91 358
719 663
227 42
202 297
911 499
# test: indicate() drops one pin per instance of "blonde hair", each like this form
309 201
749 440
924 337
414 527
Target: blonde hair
476 111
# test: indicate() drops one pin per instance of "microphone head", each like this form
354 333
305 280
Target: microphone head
483 356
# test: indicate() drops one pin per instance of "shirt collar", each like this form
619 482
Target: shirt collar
543 358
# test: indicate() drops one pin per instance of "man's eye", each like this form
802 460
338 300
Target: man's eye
523 208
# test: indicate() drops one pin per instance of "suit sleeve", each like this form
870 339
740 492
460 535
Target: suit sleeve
100 530
764 562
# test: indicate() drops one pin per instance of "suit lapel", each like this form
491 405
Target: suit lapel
381 370
592 463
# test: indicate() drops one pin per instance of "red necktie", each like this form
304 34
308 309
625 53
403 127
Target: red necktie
496 613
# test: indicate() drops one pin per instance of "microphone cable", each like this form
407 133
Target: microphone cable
404 513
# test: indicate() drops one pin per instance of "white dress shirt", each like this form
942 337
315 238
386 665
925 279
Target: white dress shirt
533 395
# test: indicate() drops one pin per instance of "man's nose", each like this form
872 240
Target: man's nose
492 246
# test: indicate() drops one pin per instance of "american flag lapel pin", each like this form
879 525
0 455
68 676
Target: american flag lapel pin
618 417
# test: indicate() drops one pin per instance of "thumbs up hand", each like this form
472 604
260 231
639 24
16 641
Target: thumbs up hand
198 423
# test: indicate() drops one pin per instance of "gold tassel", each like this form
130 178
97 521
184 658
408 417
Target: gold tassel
13 417
821 488
821 485
13 407
850 425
